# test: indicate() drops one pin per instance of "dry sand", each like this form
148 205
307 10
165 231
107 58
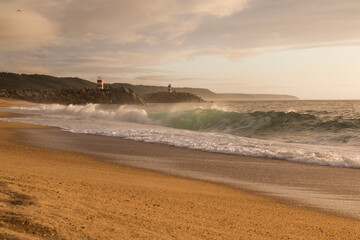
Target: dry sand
56 194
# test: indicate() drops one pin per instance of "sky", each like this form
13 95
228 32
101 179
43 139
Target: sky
307 48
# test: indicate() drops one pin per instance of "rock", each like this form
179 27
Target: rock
172 97
75 96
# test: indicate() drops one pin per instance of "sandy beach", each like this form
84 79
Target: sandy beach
57 194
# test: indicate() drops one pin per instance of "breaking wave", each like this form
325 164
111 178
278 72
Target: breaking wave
93 111
217 130
248 124
208 120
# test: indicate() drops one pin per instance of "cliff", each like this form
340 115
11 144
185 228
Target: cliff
75 96
36 81
173 97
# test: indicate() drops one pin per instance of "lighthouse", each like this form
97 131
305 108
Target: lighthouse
100 83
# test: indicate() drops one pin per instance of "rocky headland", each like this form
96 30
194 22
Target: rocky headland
172 97
74 96
38 81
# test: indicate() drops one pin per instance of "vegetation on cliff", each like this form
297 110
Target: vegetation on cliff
36 81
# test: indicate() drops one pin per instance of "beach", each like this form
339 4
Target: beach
58 192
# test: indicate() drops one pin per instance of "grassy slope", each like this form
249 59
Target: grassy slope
35 81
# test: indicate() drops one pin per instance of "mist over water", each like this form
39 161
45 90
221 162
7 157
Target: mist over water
320 132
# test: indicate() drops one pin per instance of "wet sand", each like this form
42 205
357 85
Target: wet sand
332 189
56 194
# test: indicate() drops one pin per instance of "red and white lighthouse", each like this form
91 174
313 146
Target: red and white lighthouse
100 83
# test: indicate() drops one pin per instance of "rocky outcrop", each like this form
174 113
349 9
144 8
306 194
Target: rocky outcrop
172 97
75 96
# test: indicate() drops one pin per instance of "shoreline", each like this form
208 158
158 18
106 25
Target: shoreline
149 125
69 194
305 185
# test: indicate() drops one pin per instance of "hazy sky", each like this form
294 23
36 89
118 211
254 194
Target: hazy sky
307 48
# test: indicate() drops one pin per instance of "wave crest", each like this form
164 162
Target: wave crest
245 124
96 111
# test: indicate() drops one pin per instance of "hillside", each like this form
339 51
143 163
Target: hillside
74 96
36 81
143 90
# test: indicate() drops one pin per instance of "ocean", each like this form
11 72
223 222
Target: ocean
315 132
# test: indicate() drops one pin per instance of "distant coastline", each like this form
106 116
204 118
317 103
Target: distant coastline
37 81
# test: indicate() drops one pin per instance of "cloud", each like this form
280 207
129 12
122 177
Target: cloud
146 21
24 29
126 39
163 80
112 35
233 54
268 24
218 8
118 21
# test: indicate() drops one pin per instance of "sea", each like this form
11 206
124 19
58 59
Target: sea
314 132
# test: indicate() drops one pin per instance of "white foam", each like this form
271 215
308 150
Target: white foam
133 124
92 111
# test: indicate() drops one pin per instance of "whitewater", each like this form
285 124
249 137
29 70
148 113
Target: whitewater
315 132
